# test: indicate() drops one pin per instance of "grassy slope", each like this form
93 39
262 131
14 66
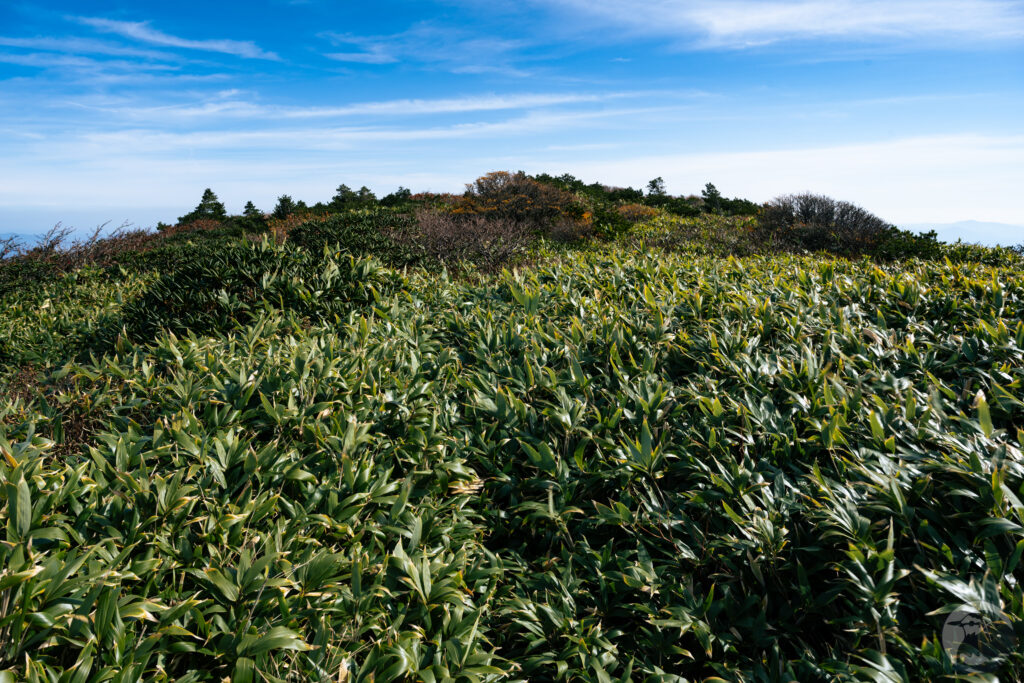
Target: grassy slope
613 466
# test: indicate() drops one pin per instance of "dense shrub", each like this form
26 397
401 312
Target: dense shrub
819 223
281 228
702 234
285 207
520 198
686 207
635 213
964 252
228 288
376 232
894 243
64 315
901 244
56 253
490 242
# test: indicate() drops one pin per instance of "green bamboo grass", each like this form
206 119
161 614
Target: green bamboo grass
616 465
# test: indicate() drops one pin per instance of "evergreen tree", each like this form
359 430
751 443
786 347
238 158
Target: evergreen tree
209 207
656 187
399 196
285 207
344 198
712 199
250 211
366 196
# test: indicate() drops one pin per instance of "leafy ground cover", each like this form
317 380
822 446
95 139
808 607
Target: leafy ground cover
646 460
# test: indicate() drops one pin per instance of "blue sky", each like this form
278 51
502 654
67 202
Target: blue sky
129 110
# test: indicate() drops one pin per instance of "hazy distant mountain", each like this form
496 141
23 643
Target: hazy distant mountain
973 231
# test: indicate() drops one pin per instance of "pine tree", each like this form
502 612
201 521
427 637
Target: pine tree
344 198
366 196
250 211
209 207
285 207
397 197
656 187
712 198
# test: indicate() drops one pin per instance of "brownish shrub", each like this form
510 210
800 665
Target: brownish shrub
569 230
636 213
10 246
520 198
54 250
488 241
53 254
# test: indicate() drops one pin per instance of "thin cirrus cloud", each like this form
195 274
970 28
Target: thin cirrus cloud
402 107
456 50
79 64
135 141
82 46
379 57
141 31
737 24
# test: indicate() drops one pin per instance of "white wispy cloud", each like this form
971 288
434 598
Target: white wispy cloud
85 46
78 63
746 23
485 69
225 104
379 57
454 49
141 31
337 138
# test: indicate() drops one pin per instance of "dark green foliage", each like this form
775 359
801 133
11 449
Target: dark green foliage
899 244
285 207
683 206
739 207
249 223
608 222
657 196
399 197
209 208
962 252
820 223
382 233
610 467
712 198
656 188
345 198
18 274
224 289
